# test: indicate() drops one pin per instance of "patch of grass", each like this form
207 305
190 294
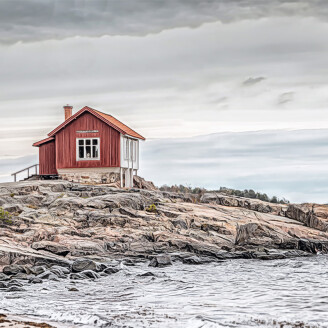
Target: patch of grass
151 208
5 217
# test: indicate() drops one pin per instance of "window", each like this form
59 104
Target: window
88 149
134 150
126 149
130 149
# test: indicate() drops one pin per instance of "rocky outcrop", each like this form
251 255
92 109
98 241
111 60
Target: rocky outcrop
51 247
312 215
56 222
250 204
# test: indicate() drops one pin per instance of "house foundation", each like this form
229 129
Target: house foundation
122 176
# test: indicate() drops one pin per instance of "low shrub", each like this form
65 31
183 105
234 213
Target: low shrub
151 208
5 217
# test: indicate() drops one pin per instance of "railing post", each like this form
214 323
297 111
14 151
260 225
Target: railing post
28 169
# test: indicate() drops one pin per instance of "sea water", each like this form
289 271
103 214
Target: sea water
236 293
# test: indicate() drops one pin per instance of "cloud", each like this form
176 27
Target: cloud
181 82
285 98
36 20
253 80
291 164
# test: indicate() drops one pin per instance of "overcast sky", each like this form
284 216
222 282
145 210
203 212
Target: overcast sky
171 70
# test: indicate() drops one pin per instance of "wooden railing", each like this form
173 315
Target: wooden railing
28 169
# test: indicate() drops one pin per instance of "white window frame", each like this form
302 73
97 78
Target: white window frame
126 149
134 150
130 149
78 146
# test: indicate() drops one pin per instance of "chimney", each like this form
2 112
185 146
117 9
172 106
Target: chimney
68 111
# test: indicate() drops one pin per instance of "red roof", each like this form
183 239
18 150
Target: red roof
120 125
108 119
41 142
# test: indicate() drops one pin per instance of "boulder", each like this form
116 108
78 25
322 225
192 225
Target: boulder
91 274
38 269
84 264
47 275
111 270
35 280
13 269
51 247
4 277
3 285
129 262
101 267
160 261
59 273
64 270
141 183
77 276
192 260
23 276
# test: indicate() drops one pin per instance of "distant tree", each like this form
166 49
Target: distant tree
165 188
223 190
238 193
265 198
251 193
284 201
274 199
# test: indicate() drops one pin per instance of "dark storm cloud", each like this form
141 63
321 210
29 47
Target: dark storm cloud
34 20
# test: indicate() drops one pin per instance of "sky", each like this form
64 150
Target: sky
228 93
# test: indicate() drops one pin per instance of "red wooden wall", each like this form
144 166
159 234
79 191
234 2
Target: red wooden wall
66 143
47 158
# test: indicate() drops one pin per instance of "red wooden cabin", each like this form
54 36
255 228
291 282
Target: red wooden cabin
90 146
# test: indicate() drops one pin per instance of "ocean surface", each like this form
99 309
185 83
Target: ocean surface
236 293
